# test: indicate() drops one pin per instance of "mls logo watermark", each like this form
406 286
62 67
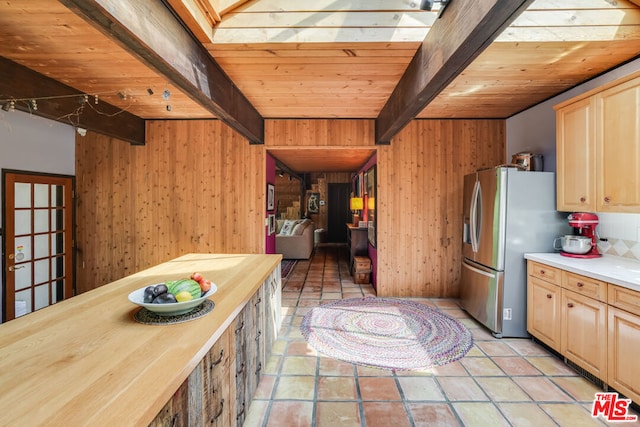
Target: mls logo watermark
613 408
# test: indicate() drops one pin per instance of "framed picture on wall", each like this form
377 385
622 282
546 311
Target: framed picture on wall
313 204
272 224
370 192
271 197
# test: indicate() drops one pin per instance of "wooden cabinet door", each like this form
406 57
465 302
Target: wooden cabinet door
584 332
248 336
618 148
218 387
543 311
176 410
272 311
575 151
624 348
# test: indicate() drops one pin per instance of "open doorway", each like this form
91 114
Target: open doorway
339 214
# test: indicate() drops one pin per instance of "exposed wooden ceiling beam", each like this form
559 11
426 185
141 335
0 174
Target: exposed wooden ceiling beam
461 33
150 31
64 106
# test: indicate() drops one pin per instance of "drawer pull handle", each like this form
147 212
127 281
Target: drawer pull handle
217 362
549 296
216 416
240 327
241 412
238 373
579 284
259 301
541 271
570 305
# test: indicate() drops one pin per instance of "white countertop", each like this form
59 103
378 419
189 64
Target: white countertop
608 268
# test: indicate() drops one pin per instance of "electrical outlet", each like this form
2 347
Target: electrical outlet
506 314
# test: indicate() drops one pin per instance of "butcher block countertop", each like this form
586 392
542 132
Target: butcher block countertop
86 362
608 268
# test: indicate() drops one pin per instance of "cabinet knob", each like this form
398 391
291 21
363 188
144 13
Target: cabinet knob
549 296
541 271
570 305
607 199
579 284
583 199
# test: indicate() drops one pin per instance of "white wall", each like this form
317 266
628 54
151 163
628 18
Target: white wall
33 144
534 130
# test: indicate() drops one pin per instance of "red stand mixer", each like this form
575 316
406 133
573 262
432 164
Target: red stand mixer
585 224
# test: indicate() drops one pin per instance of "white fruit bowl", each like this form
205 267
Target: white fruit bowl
169 309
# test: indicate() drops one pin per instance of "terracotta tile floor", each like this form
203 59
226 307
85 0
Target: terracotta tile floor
500 382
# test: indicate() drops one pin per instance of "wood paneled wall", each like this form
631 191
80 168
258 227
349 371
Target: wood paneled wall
320 184
420 180
197 186
319 133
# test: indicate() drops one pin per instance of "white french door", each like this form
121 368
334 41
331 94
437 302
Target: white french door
38 243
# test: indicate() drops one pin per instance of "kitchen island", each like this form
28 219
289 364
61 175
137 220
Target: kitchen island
86 361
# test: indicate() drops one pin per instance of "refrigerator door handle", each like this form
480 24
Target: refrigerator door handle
473 216
477 270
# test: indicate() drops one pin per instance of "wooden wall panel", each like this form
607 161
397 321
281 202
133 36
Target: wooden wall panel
103 209
319 133
197 186
420 178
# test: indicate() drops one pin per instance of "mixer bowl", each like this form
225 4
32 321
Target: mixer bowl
573 244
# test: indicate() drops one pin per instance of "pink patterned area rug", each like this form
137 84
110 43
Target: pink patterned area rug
386 333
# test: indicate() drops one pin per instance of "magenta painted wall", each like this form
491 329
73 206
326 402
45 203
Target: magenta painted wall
270 244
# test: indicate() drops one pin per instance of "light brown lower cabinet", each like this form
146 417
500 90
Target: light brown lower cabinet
593 324
584 332
624 341
219 390
543 313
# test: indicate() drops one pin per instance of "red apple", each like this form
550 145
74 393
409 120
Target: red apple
205 285
197 277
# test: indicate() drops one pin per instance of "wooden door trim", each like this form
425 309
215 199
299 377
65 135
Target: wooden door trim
45 178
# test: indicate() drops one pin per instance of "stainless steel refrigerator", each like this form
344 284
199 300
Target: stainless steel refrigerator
507 212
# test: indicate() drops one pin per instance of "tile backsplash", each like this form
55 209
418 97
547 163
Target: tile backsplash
622 232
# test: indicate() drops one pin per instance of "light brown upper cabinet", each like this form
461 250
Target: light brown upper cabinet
598 149
575 156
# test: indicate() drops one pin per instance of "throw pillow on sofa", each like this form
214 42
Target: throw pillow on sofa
287 227
299 228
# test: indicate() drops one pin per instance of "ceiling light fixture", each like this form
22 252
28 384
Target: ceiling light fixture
428 5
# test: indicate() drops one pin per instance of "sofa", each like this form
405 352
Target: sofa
294 238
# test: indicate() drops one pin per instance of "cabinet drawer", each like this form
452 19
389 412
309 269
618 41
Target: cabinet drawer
586 286
625 299
544 272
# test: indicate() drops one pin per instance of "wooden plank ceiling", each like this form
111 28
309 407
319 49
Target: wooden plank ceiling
321 59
